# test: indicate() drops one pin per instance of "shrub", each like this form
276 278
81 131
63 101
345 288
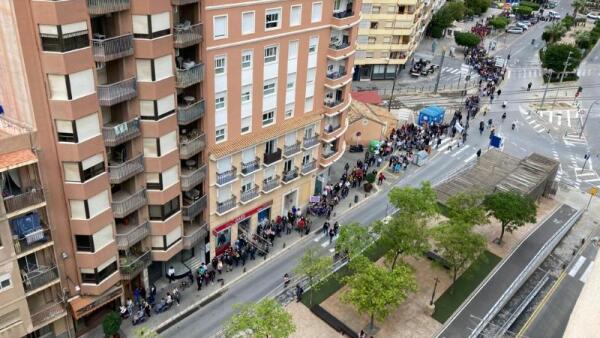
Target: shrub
371 178
534 6
522 10
499 22
468 40
555 56
568 21
584 40
111 324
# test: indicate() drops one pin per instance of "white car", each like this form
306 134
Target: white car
522 24
515 30
553 14
593 15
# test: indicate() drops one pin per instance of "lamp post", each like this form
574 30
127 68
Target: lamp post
437 81
586 117
434 288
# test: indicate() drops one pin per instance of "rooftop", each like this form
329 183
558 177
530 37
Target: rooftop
359 110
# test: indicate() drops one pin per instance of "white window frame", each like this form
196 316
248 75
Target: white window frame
289 108
292 24
312 49
253 23
275 56
272 118
220 99
242 131
247 94
221 132
291 84
224 36
220 69
267 87
270 11
247 64
312 12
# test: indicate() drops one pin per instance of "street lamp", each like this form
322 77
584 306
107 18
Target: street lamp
434 288
587 116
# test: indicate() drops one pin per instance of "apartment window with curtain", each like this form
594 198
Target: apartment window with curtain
162 180
155 110
164 211
79 130
149 70
85 170
296 15
247 23
269 87
246 125
95 242
220 133
156 147
165 242
151 26
220 27
99 274
71 86
64 38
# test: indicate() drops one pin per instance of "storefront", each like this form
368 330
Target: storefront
88 311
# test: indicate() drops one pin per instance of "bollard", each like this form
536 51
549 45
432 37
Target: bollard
350 205
355 199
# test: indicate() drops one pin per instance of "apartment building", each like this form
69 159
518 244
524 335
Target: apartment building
388 34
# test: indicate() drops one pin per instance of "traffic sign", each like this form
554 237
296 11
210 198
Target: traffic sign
594 191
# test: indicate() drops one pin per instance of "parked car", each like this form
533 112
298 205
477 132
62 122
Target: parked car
534 20
553 14
593 15
522 24
514 30
551 4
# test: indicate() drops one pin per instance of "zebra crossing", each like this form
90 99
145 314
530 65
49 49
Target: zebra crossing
571 139
533 123
325 242
562 118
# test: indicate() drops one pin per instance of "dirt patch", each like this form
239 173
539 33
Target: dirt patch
307 324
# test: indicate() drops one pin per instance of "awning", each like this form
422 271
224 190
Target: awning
16 159
84 305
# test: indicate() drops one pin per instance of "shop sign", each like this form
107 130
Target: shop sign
241 217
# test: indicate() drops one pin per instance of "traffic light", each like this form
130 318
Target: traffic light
578 91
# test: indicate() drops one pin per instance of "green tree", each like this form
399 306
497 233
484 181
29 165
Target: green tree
568 21
315 267
578 6
477 7
554 32
444 18
499 22
267 318
144 332
511 209
555 56
458 245
523 10
374 290
466 39
533 5
418 202
467 208
353 239
404 235
585 40
111 324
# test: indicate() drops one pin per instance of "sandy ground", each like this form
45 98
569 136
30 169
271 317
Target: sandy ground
307 324
569 37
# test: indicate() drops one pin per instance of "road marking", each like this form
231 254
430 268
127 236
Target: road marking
585 274
593 180
577 266
550 116
531 122
559 120
325 244
569 118
461 150
587 174
319 237
332 250
470 158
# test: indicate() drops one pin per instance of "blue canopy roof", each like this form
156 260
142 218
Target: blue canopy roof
431 114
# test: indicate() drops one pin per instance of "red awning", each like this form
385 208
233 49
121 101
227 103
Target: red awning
367 96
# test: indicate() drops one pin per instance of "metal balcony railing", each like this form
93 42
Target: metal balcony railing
183 2
124 204
310 142
332 103
250 167
112 48
190 113
292 149
123 171
187 35
226 176
343 14
270 158
99 7
249 194
290 175
308 167
189 76
35 195
226 206
332 128
39 277
47 314
122 132
113 93
193 235
188 212
132 266
189 147
339 45
192 177
337 75
31 241
329 153
127 239
269 185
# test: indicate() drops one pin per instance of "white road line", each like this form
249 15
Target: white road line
550 116
470 158
332 250
319 237
593 180
577 266
568 118
585 274
325 244
461 150
587 174
531 122
559 120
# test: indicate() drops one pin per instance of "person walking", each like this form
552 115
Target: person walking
514 125
381 179
325 228
331 235
171 274
479 153
529 86
220 266
199 280
499 92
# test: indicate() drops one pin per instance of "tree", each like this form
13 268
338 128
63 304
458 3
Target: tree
267 318
554 32
144 332
417 202
111 324
522 10
404 235
555 56
374 290
533 5
578 6
477 7
499 22
458 245
444 18
568 21
315 267
466 39
353 239
584 40
513 210
467 209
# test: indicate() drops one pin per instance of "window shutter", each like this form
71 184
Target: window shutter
316 11
92 161
248 23
150 148
147 108
140 24
58 87
248 155
224 164
170 176
77 209
74 28
246 123
82 83
163 67
290 139
293 50
71 170
173 236
103 237
158 242
98 203
87 127
296 18
223 194
166 104
48 30
168 143
63 126
144 70
153 178
220 26
107 263
160 22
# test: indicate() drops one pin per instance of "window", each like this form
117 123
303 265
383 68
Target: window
5 281
86 209
220 27
220 133
157 109
296 16
156 147
293 50
388 24
376 10
372 40
269 87
220 100
272 18
167 241
95 242
246 93
85 170
270 54
71 86
311 75
387 39
154 181
220 63
317 8
246 124
246 59
247 23
308 104
64 38
99 274
312 44
79 130
268 118
164 211
163 180
151 26
291 81
289 111
149 70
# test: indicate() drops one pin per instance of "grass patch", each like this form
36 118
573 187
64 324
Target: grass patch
465 284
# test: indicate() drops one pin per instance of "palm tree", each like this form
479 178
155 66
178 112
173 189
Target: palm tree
553 32
578 7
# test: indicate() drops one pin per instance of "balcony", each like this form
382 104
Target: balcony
193 235
189 75
109 49
332 103
47 314
226 206
39 277
310 142
290 175
35 240
99 7
191 177
226 176
131 235
249 195
115 134
337 78
187 35
120 172
124 203
188 113
270 185
188 212
113 93
250 167
191 144
344 16
270 158
131 266
26 199
183 2
291 150
307 168
329 156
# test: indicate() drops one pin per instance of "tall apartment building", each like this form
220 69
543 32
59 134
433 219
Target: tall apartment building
167 128
388 34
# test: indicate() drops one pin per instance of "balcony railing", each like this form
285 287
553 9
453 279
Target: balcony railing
122 132
269 185
23 200
290 175
31 241
183 2
190 113
112 48
337 75
270 158
250 167
310 142
127 239
113 93
308 167
226 176
250 194
189 76
332 103
193 235
123 171
132 266
187 35
39 277
226 206
47 314
343 14
292 149
339 45
190 146
123 204
329 153
192 177
332 128
188 212
99 7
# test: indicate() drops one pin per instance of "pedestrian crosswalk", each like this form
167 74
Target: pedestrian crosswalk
326 242
561 118
573 139
534 123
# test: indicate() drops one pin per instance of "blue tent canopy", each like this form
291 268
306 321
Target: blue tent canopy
431 115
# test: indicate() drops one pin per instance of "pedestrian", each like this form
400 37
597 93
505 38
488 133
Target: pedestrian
176 295
499 92
529 86
199 280
479 153
331 235
171 274
220 266
346 167
136 295
381 178
336 227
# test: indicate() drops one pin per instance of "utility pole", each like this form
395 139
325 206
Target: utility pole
586 117
586 157
562 75
545 91
434 288
437 81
